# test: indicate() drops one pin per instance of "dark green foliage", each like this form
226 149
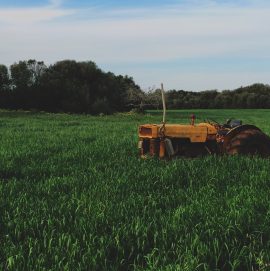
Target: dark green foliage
4 86
4 78
66 86
254 96
82 87
75 196
25 84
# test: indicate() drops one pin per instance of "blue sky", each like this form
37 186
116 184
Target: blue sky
186 44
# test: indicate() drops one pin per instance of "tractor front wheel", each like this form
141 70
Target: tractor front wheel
249 142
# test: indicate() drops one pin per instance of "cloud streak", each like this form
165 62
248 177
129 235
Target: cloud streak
32 15
138 40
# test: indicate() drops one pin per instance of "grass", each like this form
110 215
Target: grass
75 196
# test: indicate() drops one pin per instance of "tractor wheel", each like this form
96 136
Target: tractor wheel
249 142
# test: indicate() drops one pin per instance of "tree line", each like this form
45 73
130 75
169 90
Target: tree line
82 87
254 96
66 86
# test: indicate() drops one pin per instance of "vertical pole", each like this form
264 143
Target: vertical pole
162 149
163 103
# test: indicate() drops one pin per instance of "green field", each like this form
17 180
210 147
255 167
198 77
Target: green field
74 195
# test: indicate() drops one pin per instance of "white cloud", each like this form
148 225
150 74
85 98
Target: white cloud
56 3
139 36
32 15
219 32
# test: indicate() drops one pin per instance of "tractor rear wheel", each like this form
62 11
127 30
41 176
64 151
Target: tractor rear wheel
249 142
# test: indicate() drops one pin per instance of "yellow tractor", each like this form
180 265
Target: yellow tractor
233 137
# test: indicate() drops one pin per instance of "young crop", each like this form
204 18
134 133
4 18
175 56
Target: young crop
74 195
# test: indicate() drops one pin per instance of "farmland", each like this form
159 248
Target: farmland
75 196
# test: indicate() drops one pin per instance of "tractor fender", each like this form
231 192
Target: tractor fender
233 132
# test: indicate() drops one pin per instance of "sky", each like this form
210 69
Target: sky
186 44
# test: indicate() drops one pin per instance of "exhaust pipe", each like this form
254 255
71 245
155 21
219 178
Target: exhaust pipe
163 103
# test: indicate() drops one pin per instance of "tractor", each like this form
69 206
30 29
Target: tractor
210 137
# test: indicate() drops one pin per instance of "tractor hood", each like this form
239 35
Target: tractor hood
195 133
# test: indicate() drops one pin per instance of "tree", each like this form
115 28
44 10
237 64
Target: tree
20 75
25 78
4 77
82 87
207 98
131 95
4 87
